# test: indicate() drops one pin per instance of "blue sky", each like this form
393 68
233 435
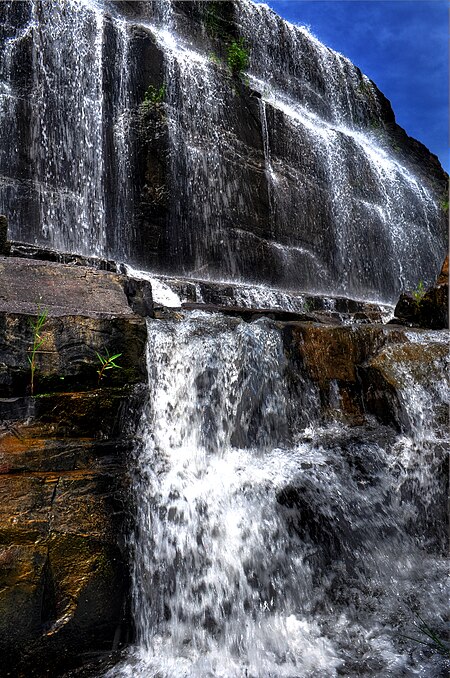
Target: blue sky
402 45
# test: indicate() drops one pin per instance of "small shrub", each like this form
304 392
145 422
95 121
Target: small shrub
238 57
444 205
107 362
154 96
418 293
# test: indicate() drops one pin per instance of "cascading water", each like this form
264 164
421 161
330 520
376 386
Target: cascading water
267 544
288 175
65 102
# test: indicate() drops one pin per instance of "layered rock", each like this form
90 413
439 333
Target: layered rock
63 478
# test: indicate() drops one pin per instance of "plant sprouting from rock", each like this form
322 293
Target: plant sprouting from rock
38 340
107 362
238 56
419 293
429 636
154 95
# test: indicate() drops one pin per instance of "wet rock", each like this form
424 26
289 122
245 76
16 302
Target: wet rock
429 310
64 585
64 581
330 356
29 286
404 385
4 244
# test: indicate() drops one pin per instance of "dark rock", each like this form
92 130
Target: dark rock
429 310
5 246
68 357
26 251
139 295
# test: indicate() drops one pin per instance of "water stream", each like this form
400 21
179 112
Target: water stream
269 544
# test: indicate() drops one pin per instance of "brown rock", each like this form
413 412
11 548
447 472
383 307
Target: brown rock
417 366
63 482
443 276
331 355
63 572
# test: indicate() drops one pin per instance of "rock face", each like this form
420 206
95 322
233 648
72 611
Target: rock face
371 370
293 173
63 480
428 308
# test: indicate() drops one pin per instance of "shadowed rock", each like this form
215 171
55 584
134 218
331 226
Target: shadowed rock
429 310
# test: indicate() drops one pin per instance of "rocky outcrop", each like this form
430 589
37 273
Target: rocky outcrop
63 464
426 308
381 371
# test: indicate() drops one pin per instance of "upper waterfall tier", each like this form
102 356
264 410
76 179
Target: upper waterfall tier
126 135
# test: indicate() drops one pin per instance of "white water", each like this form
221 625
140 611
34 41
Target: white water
268 545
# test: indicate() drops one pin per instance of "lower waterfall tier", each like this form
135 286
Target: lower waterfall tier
268 542
276 487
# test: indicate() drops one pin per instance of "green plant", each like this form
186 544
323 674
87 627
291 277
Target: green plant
418 293
429 637
38 340
153 95
444 205
107 363
238 56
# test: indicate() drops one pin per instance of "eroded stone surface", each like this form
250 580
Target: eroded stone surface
63 479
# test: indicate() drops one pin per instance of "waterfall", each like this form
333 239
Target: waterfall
66 112
292 175
268 543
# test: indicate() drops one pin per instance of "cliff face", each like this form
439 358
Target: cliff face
212 140
63 481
